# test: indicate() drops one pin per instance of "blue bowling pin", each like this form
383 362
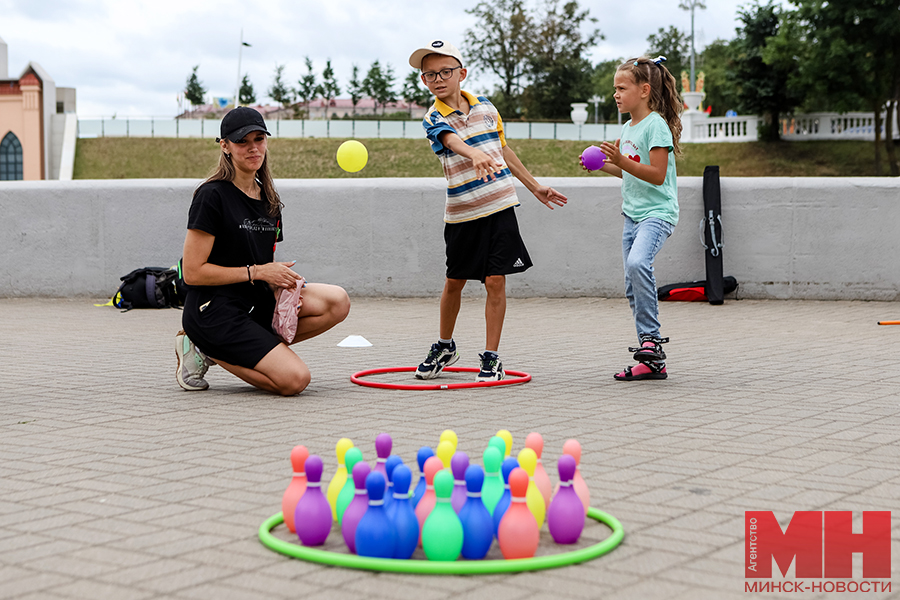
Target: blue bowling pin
424 454
478 526
401 514
374 533
506 499
392 461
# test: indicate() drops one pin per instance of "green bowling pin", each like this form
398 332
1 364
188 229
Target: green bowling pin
500 444
353 456
442 534
493 481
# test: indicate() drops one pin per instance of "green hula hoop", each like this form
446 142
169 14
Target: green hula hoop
459 567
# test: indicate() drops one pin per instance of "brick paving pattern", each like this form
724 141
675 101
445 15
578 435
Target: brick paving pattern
114 483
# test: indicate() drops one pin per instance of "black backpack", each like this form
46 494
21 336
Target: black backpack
150 287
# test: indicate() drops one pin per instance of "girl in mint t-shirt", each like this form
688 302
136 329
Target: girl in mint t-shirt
644 157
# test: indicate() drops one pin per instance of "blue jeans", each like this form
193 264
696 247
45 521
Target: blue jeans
640 244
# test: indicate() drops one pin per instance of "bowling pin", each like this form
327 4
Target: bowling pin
383 445
493 481
535 502
478 526
445 452
390 464
458 465
375 533
573 449
508 465
506 436
536 442
357 507
296 488
442 534
518 534
564 517
424 454
353 456
401 514
426 504
340 476
500 444
450 436
312 517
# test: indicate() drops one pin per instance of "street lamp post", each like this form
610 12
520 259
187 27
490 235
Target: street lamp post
595 99
691 5
237 88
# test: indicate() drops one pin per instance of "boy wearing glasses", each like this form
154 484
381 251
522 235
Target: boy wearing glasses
480 232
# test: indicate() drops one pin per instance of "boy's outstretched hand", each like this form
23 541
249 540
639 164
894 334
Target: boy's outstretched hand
549 196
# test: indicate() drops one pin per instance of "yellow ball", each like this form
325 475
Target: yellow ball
352 156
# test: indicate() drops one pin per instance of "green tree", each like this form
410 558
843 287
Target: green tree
675 45
246 94
379 85
602 85
558 67
307 89
413 92
714 61
849 56
280 92
329 88
355 88
194 91
762 89
501 43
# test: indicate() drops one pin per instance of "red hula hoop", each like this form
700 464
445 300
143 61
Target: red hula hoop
357 378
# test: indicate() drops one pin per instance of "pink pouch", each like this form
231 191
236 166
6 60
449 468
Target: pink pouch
287 303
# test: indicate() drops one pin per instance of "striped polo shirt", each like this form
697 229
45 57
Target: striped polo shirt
468 197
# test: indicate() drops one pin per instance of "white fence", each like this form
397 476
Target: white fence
697 128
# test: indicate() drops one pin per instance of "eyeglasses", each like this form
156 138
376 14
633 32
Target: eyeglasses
431 76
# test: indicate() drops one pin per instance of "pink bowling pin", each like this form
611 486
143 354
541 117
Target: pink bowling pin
383 446
536 442
296 488
312 517
573 449
429 499
564 517
357 507
518 533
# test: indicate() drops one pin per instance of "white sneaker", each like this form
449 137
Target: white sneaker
491 367
192 364
438 357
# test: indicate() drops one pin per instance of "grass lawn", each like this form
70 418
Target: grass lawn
132 158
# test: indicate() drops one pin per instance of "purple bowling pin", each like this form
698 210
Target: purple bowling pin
358 505
312 517
402 515
424 454
458 465
565 517
375 533
383 445
392 462
478 525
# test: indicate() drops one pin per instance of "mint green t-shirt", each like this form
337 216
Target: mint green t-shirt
642 200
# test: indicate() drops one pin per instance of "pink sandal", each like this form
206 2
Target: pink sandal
647 370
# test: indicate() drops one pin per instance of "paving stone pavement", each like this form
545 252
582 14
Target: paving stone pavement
114 483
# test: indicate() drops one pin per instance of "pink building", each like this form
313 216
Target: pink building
37 124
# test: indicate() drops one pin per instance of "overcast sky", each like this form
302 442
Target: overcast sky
132 57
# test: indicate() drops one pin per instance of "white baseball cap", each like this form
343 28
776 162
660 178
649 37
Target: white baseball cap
434 47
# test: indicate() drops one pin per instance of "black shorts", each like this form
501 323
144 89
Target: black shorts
487 246
234 328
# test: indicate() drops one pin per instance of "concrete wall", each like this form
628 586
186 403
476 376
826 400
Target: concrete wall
810 238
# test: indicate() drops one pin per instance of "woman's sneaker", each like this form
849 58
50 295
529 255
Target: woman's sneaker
439 356
650 349
192 364
491 367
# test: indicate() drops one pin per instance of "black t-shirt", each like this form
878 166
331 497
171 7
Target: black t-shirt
245 232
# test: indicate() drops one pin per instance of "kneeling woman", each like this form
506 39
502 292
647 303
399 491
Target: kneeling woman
233 225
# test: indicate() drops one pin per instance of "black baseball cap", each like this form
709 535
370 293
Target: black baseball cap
240 121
